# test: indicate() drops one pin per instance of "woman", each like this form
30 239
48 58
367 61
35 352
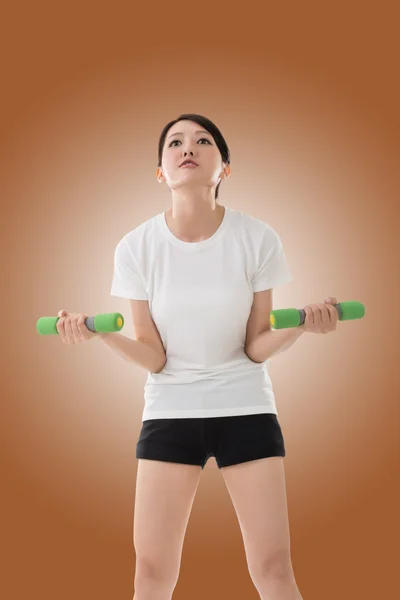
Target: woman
199 279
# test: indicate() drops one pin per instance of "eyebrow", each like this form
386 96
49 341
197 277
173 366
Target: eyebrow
181 133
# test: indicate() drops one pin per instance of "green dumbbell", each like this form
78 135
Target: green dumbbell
103 323
293 317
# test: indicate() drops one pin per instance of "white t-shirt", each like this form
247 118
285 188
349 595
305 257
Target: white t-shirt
200 296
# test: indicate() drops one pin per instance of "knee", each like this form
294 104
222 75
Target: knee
277 564
155 573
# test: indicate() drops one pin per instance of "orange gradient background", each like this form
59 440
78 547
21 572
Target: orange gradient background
307 100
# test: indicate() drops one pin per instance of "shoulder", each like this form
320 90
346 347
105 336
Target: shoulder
140 234
258 230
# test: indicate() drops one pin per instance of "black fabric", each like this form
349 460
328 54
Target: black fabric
231 440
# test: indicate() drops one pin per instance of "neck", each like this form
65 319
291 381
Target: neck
194 221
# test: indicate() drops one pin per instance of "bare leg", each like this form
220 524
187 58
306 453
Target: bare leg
276 587
153 590
258 492
164 496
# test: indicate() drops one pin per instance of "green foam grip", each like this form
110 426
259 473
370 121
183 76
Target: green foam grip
102 323
293 317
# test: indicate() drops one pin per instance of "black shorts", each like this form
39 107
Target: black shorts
231 440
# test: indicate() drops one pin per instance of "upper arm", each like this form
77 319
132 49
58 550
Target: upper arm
144 328
259 319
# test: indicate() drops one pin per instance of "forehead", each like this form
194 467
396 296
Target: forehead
186 127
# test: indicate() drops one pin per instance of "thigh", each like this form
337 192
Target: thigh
258 492
164 497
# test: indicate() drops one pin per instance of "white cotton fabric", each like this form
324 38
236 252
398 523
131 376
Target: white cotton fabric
200 296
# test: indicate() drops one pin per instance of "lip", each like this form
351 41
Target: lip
192 163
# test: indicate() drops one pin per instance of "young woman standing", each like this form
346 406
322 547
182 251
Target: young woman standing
199 279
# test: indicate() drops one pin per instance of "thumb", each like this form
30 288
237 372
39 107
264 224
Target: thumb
62 313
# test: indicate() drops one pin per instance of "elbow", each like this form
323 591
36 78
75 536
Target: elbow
159 367
246 351
250 355
256 359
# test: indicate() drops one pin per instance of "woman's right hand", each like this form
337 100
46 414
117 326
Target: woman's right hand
72 328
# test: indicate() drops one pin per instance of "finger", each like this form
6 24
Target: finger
325 318
68 329
331 300
333 314
60 326
75 331
309 318
317 316
80 324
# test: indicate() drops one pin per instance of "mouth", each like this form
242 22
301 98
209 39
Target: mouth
189 163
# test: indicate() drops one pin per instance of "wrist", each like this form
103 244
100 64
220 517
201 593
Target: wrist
103 334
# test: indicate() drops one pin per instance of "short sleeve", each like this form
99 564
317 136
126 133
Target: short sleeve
126 281
273 269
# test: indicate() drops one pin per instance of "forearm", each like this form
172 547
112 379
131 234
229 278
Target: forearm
134 351
272 342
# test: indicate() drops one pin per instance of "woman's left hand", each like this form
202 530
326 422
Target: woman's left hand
320 318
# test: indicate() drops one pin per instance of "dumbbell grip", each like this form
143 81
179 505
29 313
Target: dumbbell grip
101 323
302 313
294 317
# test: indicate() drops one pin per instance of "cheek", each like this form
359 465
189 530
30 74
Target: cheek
171 159
167 165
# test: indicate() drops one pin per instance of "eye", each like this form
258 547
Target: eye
205 139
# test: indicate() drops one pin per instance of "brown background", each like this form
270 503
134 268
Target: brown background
307 98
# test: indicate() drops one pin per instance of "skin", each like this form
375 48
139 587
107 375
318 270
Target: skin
257 488
72 329
321 318
195 215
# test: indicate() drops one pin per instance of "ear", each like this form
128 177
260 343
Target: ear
159 175
225 172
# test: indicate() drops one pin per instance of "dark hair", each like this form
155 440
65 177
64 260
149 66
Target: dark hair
209 126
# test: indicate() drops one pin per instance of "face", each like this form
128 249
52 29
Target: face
189 140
